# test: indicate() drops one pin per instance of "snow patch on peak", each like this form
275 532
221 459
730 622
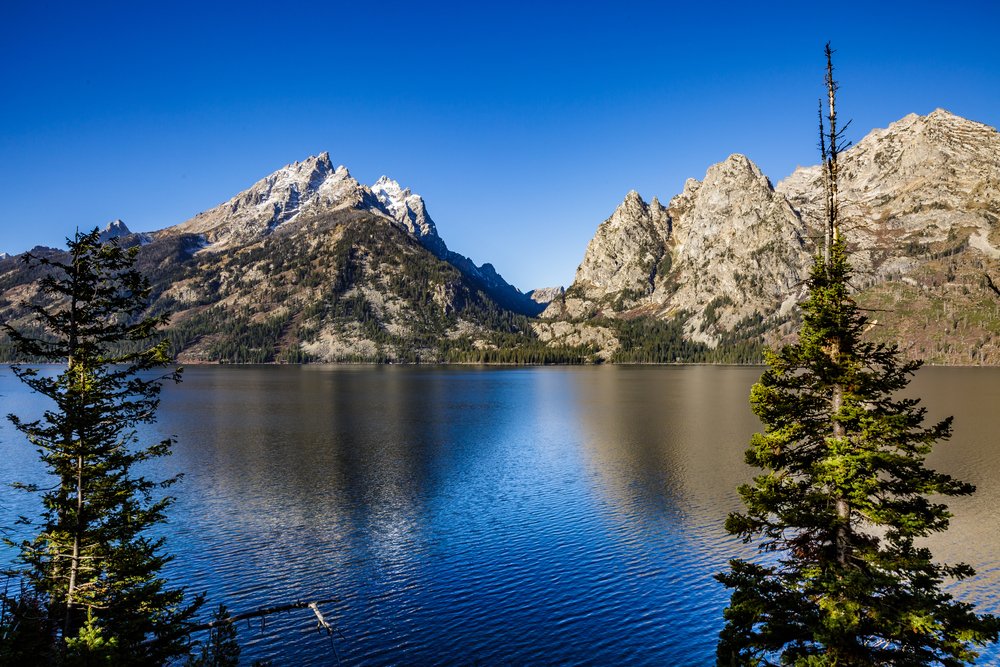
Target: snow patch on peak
312 184
406 208
387 184
392 195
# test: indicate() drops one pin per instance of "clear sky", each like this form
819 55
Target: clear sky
523 125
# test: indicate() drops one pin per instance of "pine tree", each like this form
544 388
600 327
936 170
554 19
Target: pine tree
92 565
844 496
222 648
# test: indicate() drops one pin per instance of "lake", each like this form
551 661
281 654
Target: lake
557 515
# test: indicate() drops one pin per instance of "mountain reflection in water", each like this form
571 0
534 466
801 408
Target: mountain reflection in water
501 515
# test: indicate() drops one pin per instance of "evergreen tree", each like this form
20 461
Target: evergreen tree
222 648
92 566
844 496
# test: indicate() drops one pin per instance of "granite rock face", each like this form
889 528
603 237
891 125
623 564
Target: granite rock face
621 261
920 206
727 249
546 295
915 183
739 252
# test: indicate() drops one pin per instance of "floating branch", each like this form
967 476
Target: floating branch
267 611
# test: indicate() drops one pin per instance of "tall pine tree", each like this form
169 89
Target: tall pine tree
94 590
844 496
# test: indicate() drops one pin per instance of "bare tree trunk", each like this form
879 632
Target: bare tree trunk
833 223
831 149
74 565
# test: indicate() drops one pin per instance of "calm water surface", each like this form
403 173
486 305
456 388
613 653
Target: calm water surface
490 516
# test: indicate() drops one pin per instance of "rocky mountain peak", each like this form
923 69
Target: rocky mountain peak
314 186
405 208
739 249
114 229
634 198
921 199
734 197
621 260
728 249
736 170
390 187
311 184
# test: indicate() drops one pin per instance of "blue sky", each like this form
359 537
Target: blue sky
523 125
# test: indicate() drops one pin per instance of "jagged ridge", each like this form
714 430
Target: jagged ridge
921 202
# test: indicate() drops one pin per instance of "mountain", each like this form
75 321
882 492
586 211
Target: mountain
621 261
309 264
314 186
913 183
290 192
114 230
726 258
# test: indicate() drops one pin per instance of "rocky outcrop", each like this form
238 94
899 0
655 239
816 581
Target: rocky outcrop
739 252
921 181
621 263
543 296
578 334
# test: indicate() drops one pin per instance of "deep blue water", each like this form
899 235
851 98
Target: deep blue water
489 516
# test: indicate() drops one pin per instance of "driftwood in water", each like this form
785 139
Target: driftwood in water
267 611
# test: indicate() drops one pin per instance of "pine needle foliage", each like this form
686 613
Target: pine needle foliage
843 498
92 563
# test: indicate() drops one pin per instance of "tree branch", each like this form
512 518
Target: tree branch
267 611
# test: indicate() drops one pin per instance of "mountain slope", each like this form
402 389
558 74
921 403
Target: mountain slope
341 285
